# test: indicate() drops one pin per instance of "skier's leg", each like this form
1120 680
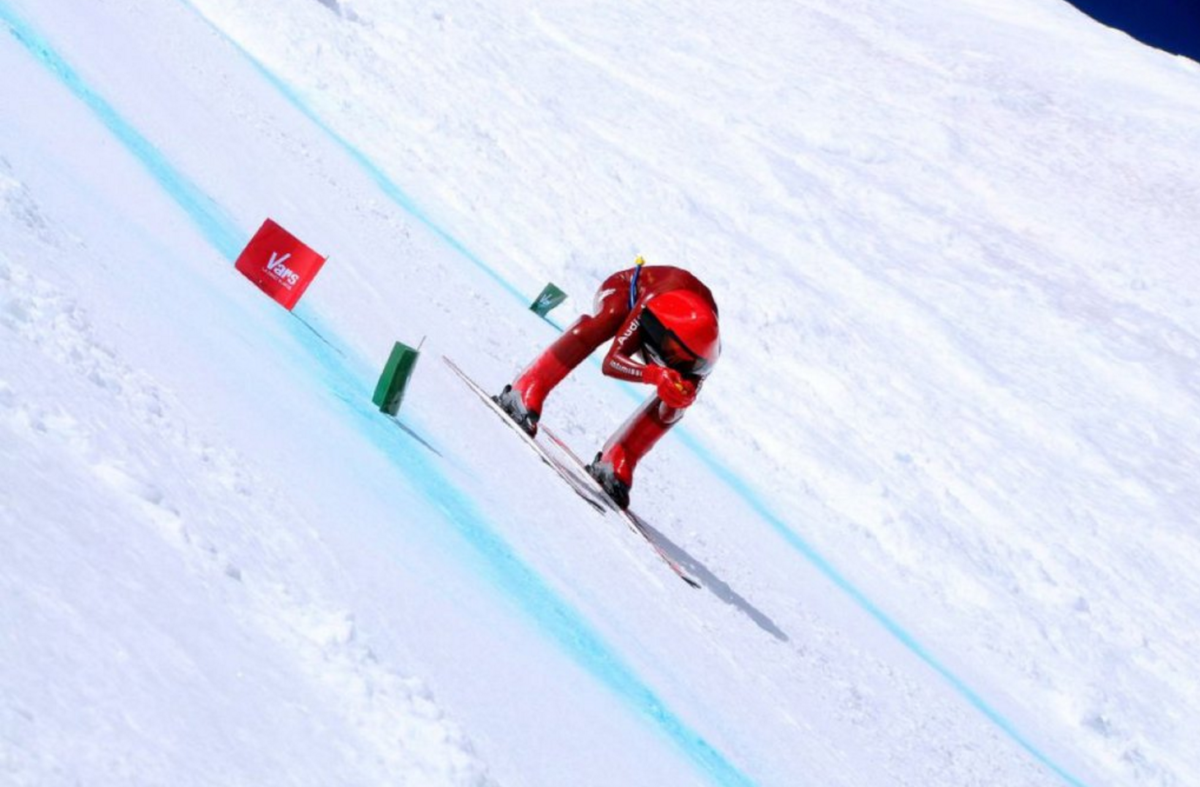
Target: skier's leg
528 392
556 362
616 462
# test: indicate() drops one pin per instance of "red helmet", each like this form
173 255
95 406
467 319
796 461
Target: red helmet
680 330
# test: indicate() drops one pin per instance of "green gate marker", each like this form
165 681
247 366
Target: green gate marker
551 296
389 392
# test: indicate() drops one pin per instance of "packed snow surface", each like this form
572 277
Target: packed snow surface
941 490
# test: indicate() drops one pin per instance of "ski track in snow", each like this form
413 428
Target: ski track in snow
1111 721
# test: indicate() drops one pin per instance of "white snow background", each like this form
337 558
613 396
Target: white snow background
941 490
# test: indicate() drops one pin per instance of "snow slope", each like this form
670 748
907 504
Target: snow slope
941 490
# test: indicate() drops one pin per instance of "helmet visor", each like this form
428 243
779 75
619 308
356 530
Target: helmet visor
664 347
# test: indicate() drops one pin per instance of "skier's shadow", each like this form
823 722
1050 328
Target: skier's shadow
711 581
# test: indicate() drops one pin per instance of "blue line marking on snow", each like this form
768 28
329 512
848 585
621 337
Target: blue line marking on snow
385 183
212 222
793 539
735 482
553 615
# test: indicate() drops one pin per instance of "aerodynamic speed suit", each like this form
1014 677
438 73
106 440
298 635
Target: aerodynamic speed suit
621 315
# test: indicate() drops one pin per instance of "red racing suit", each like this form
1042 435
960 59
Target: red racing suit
615 319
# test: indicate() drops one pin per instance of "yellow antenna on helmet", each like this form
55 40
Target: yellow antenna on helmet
633 283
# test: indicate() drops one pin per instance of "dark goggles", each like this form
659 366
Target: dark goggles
668 350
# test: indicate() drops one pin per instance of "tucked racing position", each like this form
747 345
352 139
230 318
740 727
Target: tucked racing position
662 322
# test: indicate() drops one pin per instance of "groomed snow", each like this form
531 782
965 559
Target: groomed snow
941 489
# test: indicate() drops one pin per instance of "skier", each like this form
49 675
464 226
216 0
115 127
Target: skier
662 314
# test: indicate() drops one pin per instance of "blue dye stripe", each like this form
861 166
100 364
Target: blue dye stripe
505 569
385 183
741 487
755 501
212 222
553 615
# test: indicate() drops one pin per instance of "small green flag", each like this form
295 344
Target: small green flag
389 392
551 297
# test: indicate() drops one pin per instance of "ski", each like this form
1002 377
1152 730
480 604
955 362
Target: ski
576 477
579 486
635 522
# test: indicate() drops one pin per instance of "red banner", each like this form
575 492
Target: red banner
279 264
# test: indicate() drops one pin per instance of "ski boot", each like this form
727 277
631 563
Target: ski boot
613 486
510 402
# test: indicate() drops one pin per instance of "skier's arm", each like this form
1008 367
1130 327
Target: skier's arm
672 388
619 362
